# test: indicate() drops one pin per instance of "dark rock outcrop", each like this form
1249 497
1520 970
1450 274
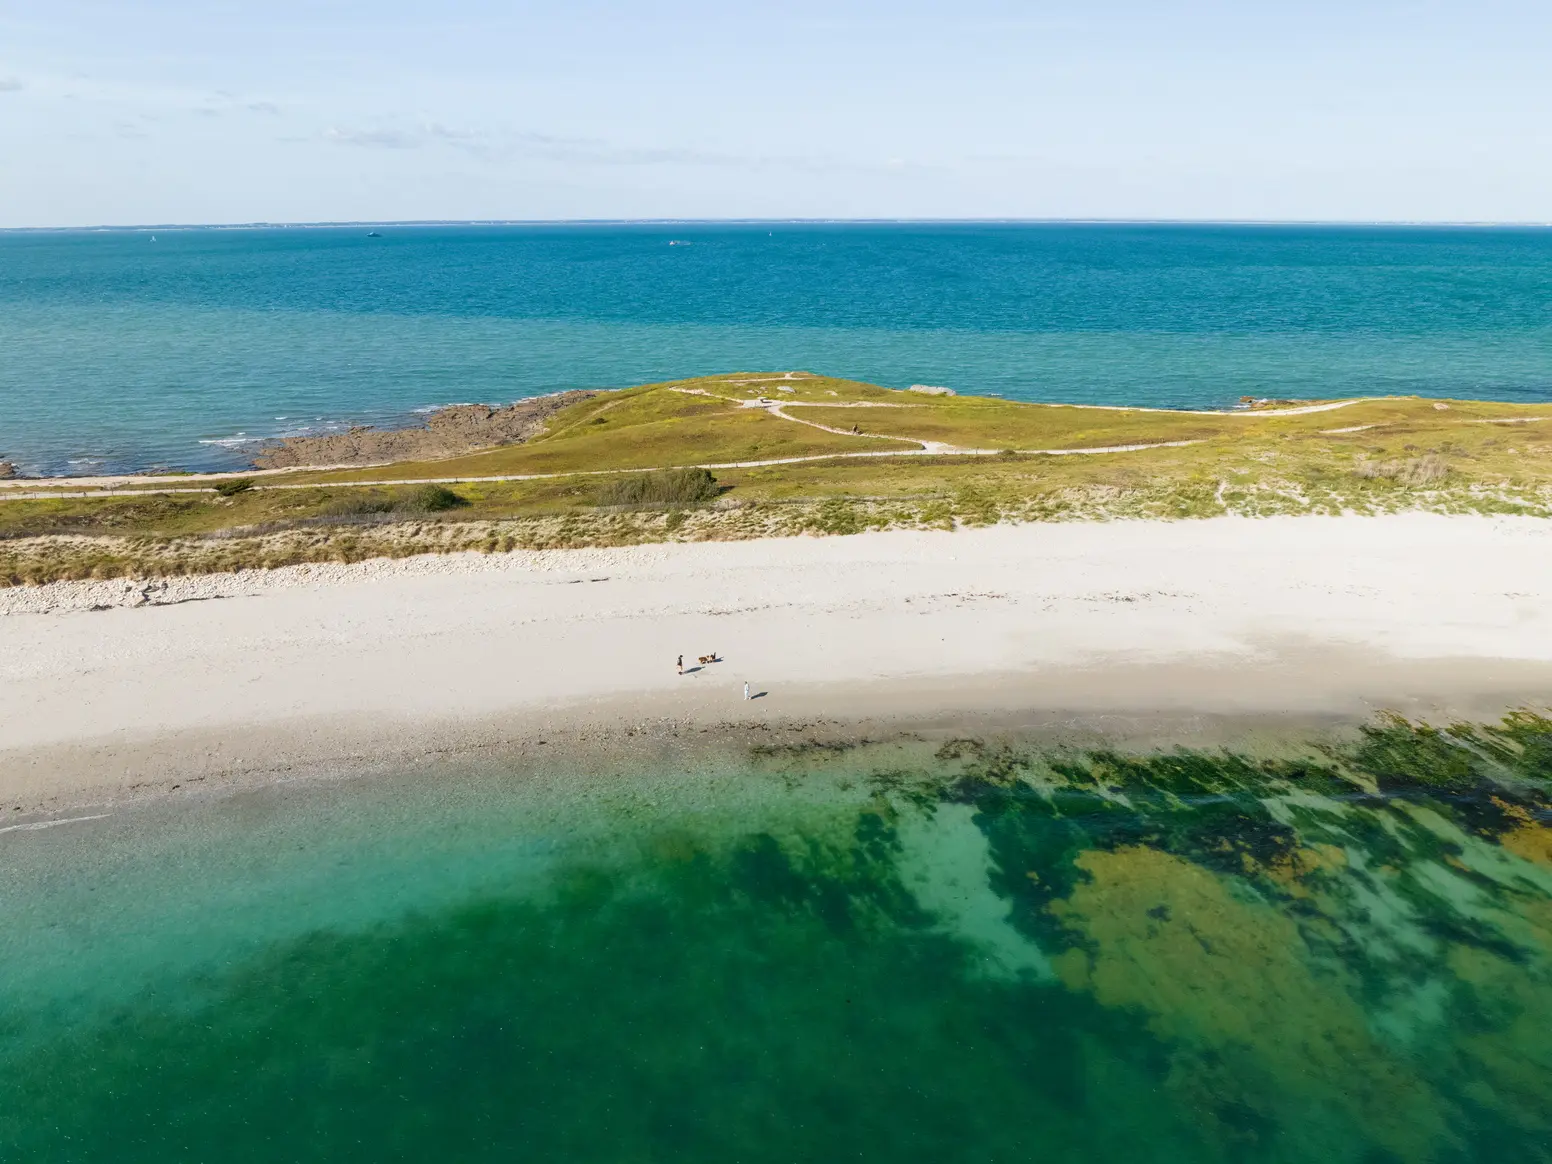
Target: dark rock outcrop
447 432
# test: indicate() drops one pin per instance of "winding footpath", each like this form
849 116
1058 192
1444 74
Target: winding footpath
135 486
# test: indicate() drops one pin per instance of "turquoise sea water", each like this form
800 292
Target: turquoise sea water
964 951
118 352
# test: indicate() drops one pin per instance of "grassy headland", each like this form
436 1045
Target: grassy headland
794 453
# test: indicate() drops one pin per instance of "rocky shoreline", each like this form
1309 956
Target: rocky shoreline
447 432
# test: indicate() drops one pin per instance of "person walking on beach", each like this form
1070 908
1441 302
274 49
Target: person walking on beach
746 689
681 664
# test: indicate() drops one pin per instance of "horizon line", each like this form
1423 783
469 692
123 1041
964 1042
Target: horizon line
325 224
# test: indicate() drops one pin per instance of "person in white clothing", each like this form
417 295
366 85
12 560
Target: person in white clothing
746 690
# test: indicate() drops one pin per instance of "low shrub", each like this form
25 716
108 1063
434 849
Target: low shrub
665 487
362 505
430 499
358 503
233 486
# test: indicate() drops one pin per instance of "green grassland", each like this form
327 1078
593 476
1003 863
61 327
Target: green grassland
655 428
1367 456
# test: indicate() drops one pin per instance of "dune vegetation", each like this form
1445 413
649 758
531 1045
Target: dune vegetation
792 453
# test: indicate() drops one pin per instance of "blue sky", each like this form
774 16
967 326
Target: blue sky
233 111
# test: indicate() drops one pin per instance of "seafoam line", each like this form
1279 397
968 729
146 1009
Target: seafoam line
35 826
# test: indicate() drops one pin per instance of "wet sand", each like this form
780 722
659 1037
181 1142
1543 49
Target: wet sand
1129 623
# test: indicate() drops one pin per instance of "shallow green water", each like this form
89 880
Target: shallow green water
979 951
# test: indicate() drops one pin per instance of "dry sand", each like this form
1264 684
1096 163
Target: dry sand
258 671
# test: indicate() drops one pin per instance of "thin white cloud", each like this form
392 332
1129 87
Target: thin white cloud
448 133
405 137
11 85
603 153
594 152
384 139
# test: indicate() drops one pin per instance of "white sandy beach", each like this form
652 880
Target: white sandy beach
1273 615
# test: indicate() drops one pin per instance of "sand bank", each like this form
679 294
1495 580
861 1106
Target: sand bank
1305 616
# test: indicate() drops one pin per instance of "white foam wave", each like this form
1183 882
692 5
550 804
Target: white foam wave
241 438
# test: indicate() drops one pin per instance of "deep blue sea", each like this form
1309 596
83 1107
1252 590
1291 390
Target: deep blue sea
124 350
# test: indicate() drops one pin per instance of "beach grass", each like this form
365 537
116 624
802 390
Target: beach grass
1370 456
